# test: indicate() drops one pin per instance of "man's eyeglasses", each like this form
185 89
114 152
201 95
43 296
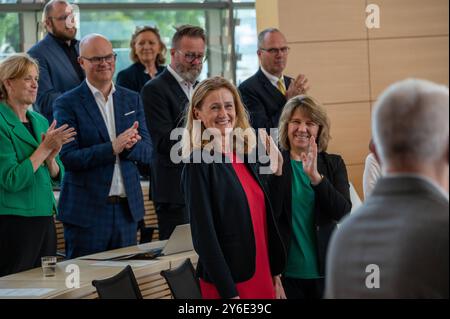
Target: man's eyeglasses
63 18
274 51
99 59
191 57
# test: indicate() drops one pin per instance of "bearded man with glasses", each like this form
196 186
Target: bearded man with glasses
57 54
265 93
101 198
165 99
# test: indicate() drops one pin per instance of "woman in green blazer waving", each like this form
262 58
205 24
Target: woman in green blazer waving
29 166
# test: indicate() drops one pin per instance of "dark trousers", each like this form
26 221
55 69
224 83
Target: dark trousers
169 216
23 241
116 229
303 288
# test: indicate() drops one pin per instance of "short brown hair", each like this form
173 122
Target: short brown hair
187 31
49 7
161 57
314 111
14 67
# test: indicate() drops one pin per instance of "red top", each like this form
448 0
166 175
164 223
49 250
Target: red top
260 286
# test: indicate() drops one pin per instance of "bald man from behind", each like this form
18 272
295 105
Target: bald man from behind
396 244
101 198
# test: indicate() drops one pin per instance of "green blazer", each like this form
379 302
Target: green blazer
22 191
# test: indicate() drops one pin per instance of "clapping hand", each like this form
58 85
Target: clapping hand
309 160
51 144
55 138
297 87
127 139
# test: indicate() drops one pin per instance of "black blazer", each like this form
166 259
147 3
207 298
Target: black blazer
263 100
164 105
332 200
222 230
134 77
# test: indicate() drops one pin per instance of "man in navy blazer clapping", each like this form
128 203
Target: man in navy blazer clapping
101 198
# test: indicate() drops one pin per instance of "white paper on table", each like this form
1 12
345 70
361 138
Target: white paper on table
24 292
132 263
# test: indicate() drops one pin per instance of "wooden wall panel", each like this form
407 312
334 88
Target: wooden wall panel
350 131
337 71
348 65
322 20
395 59
267 13
411 18
355 175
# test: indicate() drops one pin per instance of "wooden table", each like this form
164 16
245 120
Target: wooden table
152 285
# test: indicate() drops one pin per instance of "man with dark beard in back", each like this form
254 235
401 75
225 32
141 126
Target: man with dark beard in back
165 99
57 54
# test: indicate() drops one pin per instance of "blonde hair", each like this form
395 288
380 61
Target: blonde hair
310 108
14 67
161 56
241 130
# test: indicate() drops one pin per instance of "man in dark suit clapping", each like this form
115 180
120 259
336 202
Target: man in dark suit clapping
265 93
165 99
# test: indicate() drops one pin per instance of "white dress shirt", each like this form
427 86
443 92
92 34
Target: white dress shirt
273 79
187 87
106 108
372 172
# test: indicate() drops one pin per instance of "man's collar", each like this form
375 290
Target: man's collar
175 74
61 41
96 91
178 77
272 78
422 177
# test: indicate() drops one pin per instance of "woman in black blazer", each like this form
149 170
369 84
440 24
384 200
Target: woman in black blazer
310 197
233 226
148 54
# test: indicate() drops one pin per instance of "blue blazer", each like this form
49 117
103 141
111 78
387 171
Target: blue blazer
89 159
56 74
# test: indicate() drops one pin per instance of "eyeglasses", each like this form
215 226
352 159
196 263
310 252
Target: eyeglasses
274 51
99 59
191 57
63 18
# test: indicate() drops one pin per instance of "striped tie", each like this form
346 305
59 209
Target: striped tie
281 87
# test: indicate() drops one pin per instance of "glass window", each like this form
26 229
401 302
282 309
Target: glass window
118 26
148 1
245 44
9 35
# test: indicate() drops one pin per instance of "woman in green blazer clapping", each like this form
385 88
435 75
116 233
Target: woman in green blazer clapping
29 166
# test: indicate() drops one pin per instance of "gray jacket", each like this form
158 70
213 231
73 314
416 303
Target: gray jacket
400 234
